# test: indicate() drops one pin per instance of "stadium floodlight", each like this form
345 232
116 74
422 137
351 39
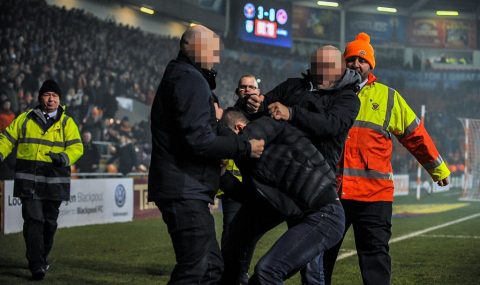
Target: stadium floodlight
147 10
447 13
327 3
387 9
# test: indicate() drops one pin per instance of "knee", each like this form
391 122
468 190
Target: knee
266 273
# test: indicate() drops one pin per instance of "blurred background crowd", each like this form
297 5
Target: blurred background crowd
97 61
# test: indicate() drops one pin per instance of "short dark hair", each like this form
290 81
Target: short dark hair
231 116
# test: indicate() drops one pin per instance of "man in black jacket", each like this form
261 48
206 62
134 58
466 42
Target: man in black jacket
185 163
323 104
291 180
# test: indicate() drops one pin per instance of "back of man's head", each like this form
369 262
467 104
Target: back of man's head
201 45
232 117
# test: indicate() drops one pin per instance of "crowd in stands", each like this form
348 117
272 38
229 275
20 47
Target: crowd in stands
95 61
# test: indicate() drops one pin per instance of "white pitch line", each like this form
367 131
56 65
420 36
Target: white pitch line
451 236
414 234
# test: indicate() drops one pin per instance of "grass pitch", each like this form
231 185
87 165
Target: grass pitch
435 241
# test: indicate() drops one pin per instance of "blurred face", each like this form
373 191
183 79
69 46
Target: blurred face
49 101
86 137
360 65
326 67
204 48
6 105
248 86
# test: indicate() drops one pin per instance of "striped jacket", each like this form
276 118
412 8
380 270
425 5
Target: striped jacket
365 172
35 175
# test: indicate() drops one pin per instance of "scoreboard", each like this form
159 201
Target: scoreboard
265 22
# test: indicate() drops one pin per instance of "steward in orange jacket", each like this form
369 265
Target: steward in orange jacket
365 176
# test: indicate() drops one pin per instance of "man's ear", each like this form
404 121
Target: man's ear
239 127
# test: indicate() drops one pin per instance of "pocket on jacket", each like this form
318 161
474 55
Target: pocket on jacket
378 162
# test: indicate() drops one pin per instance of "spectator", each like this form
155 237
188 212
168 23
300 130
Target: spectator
126 156
90 160
6 115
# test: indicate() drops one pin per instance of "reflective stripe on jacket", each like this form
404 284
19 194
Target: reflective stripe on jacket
365 173
35 175
232 167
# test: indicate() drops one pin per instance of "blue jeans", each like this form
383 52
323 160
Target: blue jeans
192 230
315 233
309 237
313 273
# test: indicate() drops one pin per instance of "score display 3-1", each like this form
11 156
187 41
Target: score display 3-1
265 22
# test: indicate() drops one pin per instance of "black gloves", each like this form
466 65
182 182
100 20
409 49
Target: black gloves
57 159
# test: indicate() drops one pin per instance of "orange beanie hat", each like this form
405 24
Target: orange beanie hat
361 47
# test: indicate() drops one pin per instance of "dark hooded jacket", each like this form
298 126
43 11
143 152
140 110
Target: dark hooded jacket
186 150
291 173
324 115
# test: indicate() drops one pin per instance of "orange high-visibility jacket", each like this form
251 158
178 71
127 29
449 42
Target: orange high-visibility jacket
365 171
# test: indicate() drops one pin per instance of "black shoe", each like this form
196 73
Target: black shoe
38 274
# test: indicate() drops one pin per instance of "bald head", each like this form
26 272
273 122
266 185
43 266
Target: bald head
201 45
327 66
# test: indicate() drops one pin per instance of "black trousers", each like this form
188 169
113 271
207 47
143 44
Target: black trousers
39 227
230 208
372 223
192 230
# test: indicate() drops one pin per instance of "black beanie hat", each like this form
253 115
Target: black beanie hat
50 86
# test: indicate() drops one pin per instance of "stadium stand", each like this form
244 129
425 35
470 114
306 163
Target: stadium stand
96 61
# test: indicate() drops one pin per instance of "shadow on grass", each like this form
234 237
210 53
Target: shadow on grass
73 270
14 272
117 268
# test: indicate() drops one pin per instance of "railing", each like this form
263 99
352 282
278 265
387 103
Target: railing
108 174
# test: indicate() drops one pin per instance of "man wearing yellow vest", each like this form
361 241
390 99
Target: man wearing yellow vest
364 176
48 143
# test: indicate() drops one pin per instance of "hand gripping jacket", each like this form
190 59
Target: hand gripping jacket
35 175
365 172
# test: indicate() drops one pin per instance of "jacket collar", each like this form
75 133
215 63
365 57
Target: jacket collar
38 114
349 77
209 75
371 78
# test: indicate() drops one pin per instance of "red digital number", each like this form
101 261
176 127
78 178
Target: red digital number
265 29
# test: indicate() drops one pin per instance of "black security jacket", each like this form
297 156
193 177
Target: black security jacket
325 116
186 148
